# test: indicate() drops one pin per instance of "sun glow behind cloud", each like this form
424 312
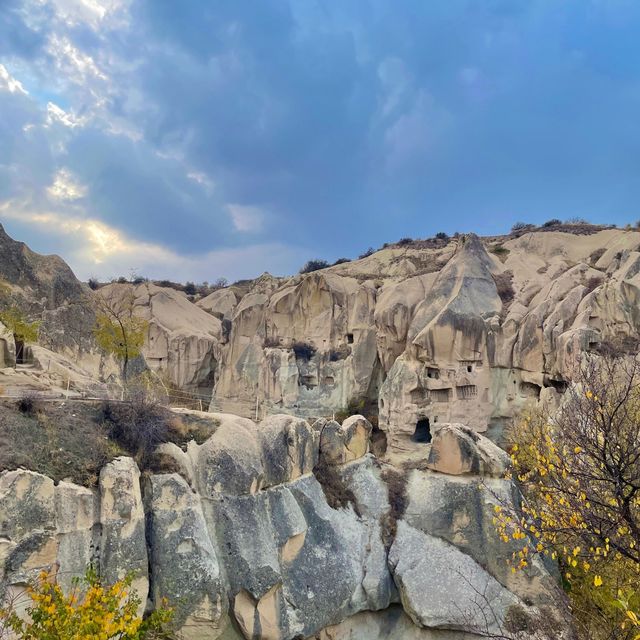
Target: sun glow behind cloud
106 252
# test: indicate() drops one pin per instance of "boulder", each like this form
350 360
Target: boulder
346 442
441 587
123 546
183 561
459 450
289 449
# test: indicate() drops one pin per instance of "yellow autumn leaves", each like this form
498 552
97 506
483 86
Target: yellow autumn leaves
90 611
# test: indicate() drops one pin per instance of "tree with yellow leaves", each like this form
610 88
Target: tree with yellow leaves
119 331
579 473
90 610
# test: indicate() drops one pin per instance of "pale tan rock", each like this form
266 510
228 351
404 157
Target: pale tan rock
123 548
459 450
346 442
183 340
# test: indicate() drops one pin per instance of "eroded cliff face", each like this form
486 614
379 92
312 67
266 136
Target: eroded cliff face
469 331
247 541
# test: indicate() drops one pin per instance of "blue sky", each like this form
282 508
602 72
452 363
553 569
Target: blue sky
208 138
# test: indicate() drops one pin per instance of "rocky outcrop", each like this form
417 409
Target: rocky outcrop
457 450
245 543
183 342
468 331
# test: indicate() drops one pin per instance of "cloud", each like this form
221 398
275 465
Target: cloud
65 186
246 218
204 128
103 251
9 83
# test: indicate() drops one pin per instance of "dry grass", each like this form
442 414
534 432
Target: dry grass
396 481
64 441
336 492
72 440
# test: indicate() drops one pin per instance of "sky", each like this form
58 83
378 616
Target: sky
204 139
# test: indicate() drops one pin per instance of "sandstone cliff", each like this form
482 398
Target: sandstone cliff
462 330
465 331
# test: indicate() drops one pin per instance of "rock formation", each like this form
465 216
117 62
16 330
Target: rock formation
246 540
183 342
466 330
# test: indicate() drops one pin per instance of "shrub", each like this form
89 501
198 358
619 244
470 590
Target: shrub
593 283
122 280
336 492
403 242
355 406
396 482
577 469
554 222
341 261
314 265
504 285
341 353
271 342
303 350
577 221
441 235
190 289
500 251
93 283
520 226
369 252
27 403
16 321
92 609
596 255
137 424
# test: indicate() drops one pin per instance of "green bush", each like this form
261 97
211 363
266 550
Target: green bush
314 265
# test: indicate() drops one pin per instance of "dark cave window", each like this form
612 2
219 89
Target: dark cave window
469 368
422 432
350 338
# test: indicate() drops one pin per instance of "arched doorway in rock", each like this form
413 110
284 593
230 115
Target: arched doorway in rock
423 431
21 355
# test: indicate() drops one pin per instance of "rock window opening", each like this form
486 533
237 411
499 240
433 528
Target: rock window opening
469 368
433 373
467 391
423 431
440 395
349 338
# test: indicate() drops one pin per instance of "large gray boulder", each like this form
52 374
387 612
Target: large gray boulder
123 546
441 587
183 561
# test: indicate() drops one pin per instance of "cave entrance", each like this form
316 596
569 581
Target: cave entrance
21 356
423 431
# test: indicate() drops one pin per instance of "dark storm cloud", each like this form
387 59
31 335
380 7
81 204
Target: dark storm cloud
335 125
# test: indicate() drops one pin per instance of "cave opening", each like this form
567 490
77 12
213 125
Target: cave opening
21 356
423 431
